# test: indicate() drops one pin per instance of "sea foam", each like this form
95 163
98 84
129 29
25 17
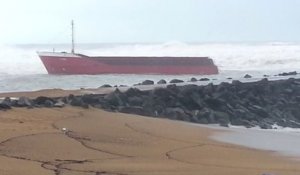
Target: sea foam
22 70
263 56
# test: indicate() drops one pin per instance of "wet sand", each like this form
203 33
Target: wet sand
98 142
280 141
61 92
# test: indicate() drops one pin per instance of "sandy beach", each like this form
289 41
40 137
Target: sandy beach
77 141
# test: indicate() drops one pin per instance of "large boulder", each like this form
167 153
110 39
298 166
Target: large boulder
162 81
148 82
77 101
247 76
205 116
222 118
135 101
106 86
204 79
176 113
5 104
24 102
193 79
259 111
215 103
44 101
176 81
115 99
236 83
134 92
92 98
288 73
162 93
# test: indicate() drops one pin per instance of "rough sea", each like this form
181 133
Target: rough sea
22 70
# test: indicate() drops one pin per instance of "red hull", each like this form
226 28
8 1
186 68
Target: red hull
65 63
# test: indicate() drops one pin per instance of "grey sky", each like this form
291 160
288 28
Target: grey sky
48 21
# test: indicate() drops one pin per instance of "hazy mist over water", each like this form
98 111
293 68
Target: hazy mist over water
22 70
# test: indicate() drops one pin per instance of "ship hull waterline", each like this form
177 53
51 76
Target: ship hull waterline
69 64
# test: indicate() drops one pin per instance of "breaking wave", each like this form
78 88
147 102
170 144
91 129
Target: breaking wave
264 56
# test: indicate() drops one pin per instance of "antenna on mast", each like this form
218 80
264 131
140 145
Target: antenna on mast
73 45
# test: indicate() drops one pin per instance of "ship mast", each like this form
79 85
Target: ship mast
73 45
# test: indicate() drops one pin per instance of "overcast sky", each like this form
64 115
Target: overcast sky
48 21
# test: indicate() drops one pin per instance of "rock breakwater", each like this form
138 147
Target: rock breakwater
263 103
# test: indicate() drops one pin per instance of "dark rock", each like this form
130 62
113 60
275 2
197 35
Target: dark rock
154 106
7 101
247 76
204 79
222 118
24 102
261 112
49 103
176 81
209 89
242 122
211 117
176 113
77 101
135 101
263 82
5 104
133 92
288 123
44 101
68 99
92 98
114 99
162 81
163 92
205 116
288 73
229 78
172 87
117 90
263 125
222 87
148 82
215 103
106 86
14 103
236 83
193 79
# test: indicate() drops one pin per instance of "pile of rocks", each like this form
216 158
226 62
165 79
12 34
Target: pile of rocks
263 103
8 103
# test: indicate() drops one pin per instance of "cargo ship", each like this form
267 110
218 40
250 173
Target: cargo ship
75 63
